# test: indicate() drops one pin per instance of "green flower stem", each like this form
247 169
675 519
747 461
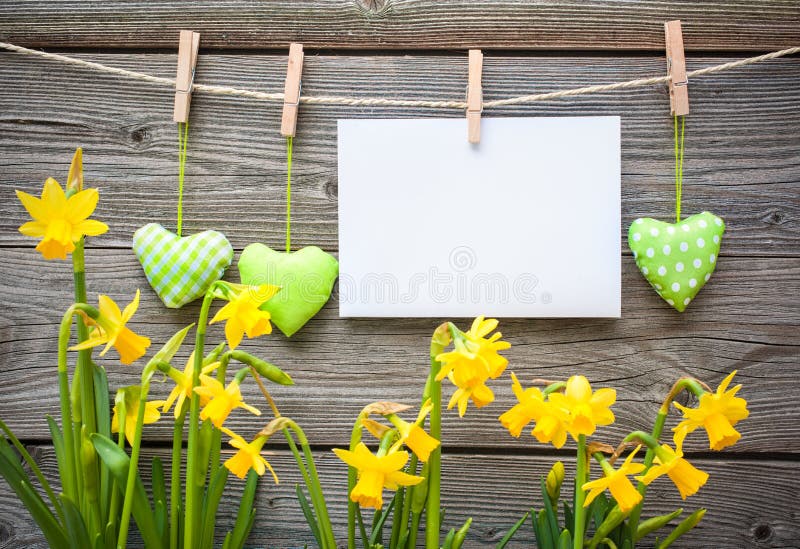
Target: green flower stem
88 416
413 530
175 480
580 494
115 492
314 488
193 503
352 477
440 340
69 483
686 383
133 467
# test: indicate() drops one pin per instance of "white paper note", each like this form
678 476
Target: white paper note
524 224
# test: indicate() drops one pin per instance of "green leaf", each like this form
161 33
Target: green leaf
448 539
377 527
210 506
569 518
613 519
159 484
565 540
552 519
547 541
599 508
510 534
309 514
172 346
686 524
118 462
102 411
15 476
76 528
536 533
461 534
652 524
264 369
246 513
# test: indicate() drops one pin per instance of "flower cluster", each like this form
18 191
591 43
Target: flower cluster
385 468
474 359
577 411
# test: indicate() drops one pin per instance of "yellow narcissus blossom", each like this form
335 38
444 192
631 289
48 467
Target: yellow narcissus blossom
475 357
222 400
586 409
414 436
376 473
248 456
60 221
551 420
686 477
717 413
617 482
151 412
242 313
480 395
183 385
110 329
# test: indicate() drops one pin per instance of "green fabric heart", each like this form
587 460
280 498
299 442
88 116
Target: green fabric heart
306 279
180 269
677 259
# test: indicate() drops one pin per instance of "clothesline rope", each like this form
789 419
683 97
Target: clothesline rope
380 102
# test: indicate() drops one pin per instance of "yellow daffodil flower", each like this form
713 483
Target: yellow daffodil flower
242 313
686 477
60 221
151 413
474 358
183 386
222 400
618 483
376 473
414 436
717 413
480 394
110 329
586 409
551 420
248 457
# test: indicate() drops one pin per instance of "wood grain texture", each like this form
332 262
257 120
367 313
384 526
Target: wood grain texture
742 142
404 24
738 516
340 365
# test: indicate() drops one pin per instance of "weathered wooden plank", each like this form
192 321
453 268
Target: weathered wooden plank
742 144
738 515
405 24
746 318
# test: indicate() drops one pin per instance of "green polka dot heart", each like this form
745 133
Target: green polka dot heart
677 259
181 269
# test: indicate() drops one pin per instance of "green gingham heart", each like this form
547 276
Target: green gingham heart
180 269
677 259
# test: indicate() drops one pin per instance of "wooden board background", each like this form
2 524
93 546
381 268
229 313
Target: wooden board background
742 162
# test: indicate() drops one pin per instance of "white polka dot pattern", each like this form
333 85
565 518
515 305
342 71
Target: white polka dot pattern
677 259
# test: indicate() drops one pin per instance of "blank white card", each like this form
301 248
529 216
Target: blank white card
524 224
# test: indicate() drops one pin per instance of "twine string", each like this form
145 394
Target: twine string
381 102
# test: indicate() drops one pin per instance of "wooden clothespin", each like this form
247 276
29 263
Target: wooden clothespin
474 96
676 68
187 61
291 90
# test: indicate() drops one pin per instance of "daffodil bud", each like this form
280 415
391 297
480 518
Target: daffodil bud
554 480
75 176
